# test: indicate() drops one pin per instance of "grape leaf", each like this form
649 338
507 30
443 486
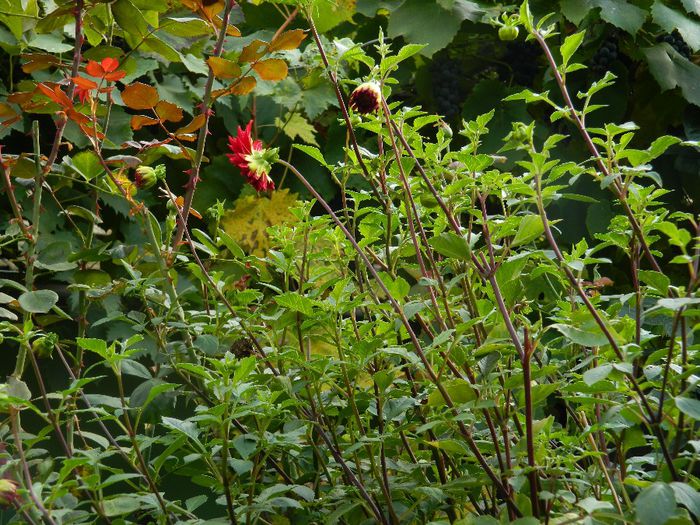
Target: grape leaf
671 69
670 19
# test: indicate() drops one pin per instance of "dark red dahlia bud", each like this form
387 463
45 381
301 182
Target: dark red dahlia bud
366 98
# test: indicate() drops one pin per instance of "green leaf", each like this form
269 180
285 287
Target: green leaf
671 69
529 229
671 19
295 125
655 505
405 52
690 407
459 390
451 245
570 45
594 375
120 505
295 302
421 22
622 14
97 346
692 6
207 343
687 496
657 281
582 337
85 164
130 18
576 10
38 301
53 257
313 152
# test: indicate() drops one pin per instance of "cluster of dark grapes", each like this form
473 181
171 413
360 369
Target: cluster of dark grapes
447 83
675 40
605 56
524 61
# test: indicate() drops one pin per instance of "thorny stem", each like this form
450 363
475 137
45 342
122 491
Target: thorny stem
31 243
203 131
77 58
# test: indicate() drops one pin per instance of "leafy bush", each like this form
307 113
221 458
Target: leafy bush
423 340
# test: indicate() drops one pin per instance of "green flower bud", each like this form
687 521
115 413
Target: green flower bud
43 346
145 177
508 33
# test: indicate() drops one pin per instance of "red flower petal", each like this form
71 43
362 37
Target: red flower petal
241 146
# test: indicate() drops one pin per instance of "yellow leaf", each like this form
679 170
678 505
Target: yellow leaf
253 51
271 69
244 86
251 215
287 40
223 68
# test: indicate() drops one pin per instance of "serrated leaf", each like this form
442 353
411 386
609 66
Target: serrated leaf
673 20
670 69
288 40
451 245
312 152
223 68
140 96
570 45
295 125
529 229
271 69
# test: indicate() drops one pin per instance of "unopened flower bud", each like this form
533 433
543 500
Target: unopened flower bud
8 492
366 98
146 177
43 346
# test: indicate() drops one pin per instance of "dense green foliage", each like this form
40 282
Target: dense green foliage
465 293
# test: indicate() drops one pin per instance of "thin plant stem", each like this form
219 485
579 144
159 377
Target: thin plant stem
464 431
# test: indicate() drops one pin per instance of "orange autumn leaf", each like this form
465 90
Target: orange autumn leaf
38 61
168 111
253 51
140 96
139 121
196 123
233 31
223 68
243 86
288 40
180 202
84 83
271 69
55 94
